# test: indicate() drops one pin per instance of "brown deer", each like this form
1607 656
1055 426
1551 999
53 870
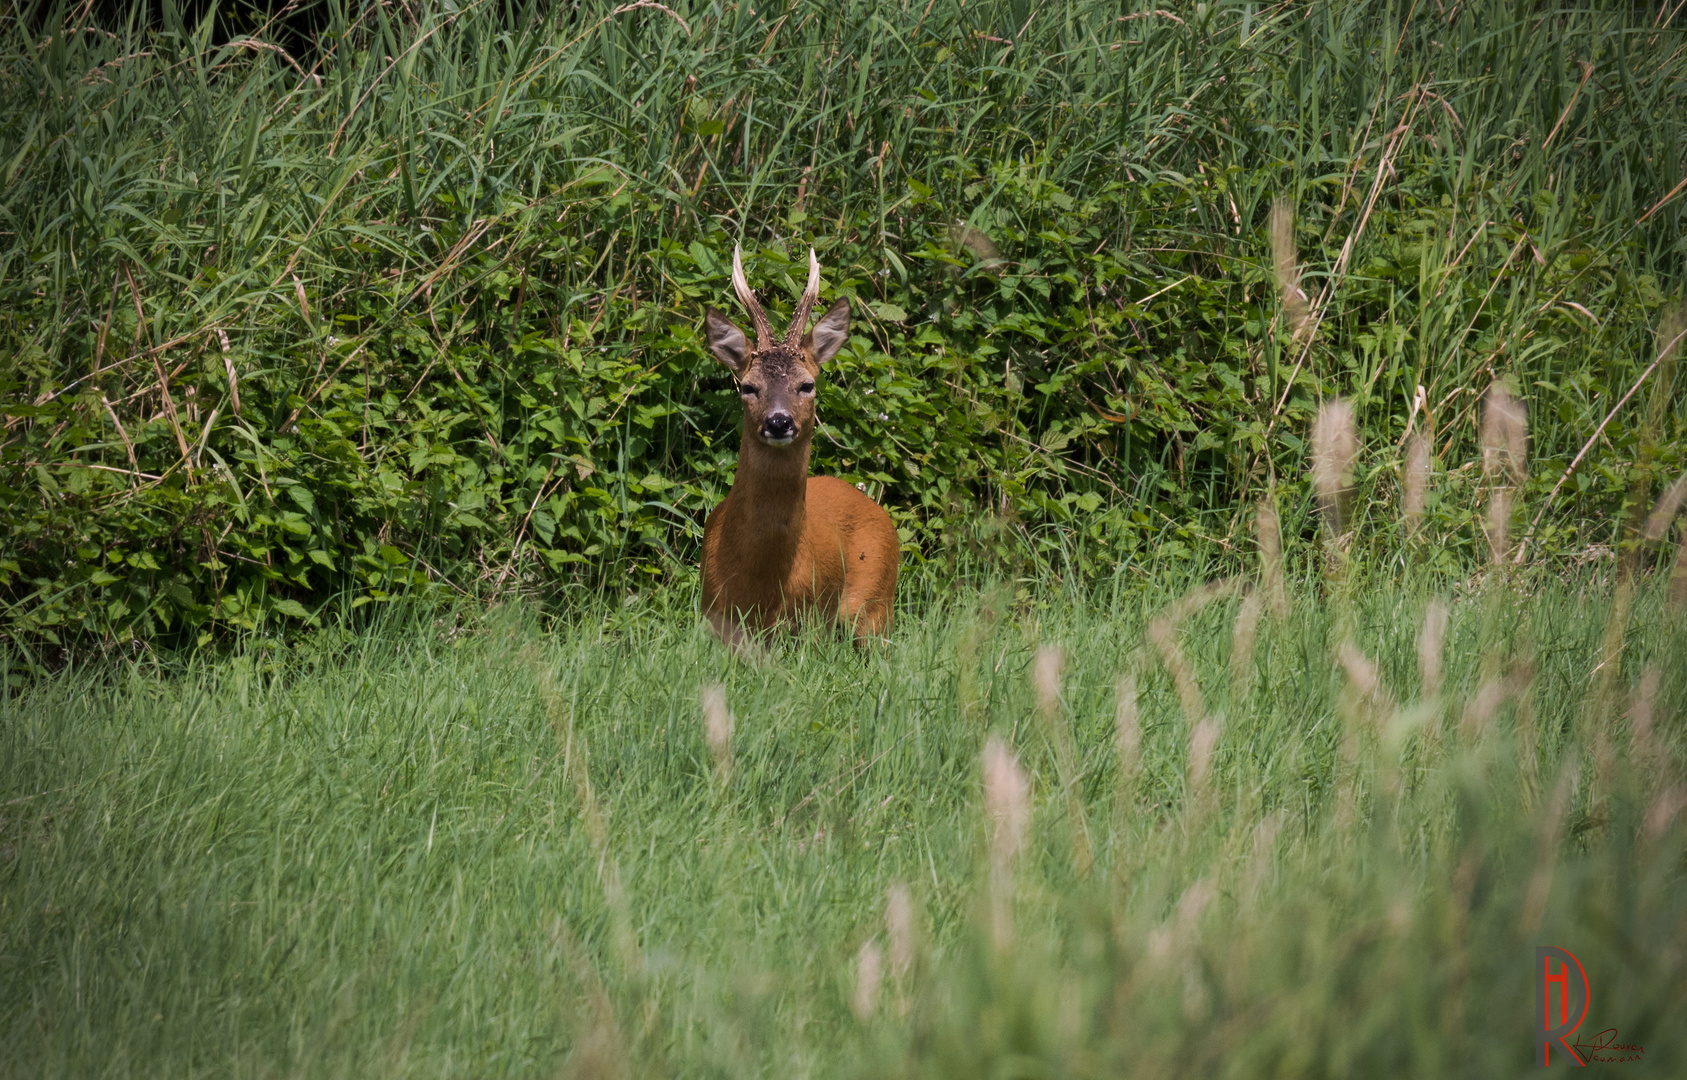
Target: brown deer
785 546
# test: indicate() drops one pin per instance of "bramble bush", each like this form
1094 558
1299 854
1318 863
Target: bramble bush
416 310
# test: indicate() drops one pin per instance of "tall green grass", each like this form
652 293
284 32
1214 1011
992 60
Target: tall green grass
415 308
459 845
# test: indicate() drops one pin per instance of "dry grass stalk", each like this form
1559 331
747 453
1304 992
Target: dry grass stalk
1430 642
1528 743
1641 716
1259 863
1271 558
1361 670
1504 461
1479 712
1672 331
1415 484
1596 707
869 973
1369 705
600 1051
1662 813
1045 676
1546 857
717 727
903 929
1007 811
1296 306
1203 739
1183 931
1676 600
1457 935
1242 647
1598 792
1127 738
1162 634
228 366
1335 448
1669 504
1505 436
1362 703
1499 524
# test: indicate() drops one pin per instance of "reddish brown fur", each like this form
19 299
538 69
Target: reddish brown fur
785 546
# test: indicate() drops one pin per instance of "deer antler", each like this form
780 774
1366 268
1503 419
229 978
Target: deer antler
805 306
740 285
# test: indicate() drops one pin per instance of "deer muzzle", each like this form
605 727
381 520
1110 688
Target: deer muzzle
778 429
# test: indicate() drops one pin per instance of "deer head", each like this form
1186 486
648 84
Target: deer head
776 378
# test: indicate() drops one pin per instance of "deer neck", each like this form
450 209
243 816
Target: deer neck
771 490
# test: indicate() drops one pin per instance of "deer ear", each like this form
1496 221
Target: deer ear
830 333
726 341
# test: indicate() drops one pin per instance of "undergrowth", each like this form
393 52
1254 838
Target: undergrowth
411 307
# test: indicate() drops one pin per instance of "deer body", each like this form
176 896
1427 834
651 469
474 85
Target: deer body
785 546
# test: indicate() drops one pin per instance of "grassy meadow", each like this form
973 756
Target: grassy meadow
1235 839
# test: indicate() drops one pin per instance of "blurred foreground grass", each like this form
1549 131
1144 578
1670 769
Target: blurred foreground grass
1319 840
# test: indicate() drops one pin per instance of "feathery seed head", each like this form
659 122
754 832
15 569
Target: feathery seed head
1504 436
1045 675
1499 524
1242 645
1335 448
901 927
1271 558
1430 641
1007 800
1663 513
1283 264
1416 484
717 724
869 972
1202 739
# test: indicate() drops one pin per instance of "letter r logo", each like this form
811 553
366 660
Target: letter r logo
1556 985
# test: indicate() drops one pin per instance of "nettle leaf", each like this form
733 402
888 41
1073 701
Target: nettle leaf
292 608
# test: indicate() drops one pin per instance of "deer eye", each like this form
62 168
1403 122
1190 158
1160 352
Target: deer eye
748 391
806 388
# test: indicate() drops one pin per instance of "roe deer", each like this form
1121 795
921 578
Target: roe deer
785 545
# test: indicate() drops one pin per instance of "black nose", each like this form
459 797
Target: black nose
779 425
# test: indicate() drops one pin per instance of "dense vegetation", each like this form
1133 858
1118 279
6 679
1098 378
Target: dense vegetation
416 309
1320 842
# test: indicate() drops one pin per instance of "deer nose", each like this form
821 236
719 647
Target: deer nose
778 426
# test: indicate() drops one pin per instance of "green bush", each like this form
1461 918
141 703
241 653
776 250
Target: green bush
416 311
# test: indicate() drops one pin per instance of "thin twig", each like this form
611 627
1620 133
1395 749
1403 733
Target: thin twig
521 533
1523 547
1396 139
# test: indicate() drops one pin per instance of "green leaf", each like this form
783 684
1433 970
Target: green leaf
292 608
